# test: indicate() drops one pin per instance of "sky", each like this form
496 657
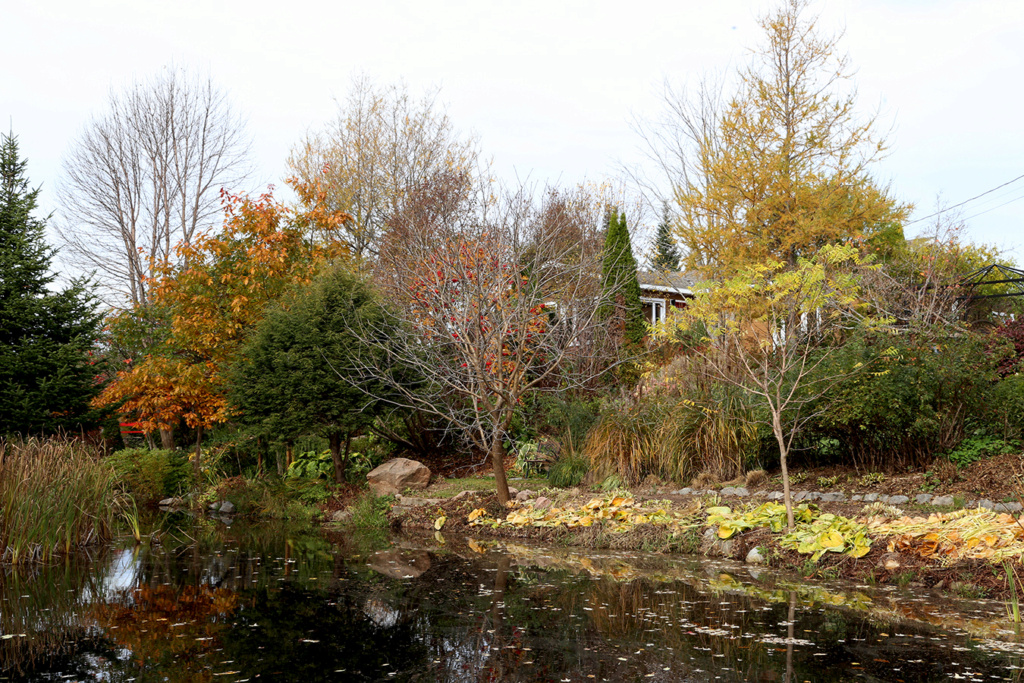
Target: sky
551 88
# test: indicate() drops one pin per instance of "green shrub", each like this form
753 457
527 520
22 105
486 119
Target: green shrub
918 392
568 471
151 475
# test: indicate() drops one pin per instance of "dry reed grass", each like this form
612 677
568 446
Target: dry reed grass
56 496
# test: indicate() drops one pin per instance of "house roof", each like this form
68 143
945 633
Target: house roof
668 281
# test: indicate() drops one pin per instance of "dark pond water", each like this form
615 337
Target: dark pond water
252 604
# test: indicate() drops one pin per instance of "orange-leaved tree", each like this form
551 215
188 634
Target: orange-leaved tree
202 309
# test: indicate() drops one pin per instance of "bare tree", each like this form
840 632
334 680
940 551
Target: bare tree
146 175
496 299
383 144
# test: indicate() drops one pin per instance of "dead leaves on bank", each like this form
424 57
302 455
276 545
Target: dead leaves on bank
948 537
617 513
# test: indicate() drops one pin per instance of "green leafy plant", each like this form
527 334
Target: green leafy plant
311 465
872 478
150 475
978 447
826 482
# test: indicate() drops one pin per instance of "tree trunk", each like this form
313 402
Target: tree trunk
783 453
498 463
199 452
289 454
167 439
340 459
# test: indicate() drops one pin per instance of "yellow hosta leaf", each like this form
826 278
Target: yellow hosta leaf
439 522
479 512
476 547
586 521
832 540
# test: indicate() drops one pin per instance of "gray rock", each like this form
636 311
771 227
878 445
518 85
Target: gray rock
759 494
227 507
714 546
171 502
684 492
215 505
755 556
943 501
542 503
400 564
799 495
870 497
734 491
857 497
1007 507
835 497
970 503
776 495
462 495
923 498
341 515
398 474
986 503
883 498
898 500
813 495
525 494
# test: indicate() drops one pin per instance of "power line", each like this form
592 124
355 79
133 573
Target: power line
966 201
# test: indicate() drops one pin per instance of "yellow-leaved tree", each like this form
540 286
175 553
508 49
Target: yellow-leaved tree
783 165
771 328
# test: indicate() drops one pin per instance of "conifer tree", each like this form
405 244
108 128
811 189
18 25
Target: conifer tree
666 255
620 283
48 373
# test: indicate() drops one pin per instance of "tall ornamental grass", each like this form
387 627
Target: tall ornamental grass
56 496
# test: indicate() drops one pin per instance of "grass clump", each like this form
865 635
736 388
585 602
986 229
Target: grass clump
568 471
371 511
56 496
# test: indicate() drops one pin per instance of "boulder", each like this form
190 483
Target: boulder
755 556
398 474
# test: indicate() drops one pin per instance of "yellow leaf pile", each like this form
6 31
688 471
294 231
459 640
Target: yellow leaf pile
814 534
948 537
618 513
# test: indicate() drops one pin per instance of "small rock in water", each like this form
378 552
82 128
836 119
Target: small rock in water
755 556
889 561
943 501
898 500
923 498
227 507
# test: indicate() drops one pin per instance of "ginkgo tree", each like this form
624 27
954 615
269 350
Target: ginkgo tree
771 328
201 311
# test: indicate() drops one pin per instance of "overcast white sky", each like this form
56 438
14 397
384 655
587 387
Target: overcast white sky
550 87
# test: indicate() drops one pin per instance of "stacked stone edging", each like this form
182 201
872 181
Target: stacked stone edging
841 497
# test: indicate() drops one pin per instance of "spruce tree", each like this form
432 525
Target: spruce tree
47 370
666 255
620 283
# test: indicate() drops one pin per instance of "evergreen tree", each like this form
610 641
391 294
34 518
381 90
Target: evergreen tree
666 256
302 369
621 287
48 373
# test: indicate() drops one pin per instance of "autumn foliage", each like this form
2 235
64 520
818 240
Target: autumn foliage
208 300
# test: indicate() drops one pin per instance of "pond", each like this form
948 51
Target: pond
210 602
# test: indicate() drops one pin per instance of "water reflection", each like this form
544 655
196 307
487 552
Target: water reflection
216 604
